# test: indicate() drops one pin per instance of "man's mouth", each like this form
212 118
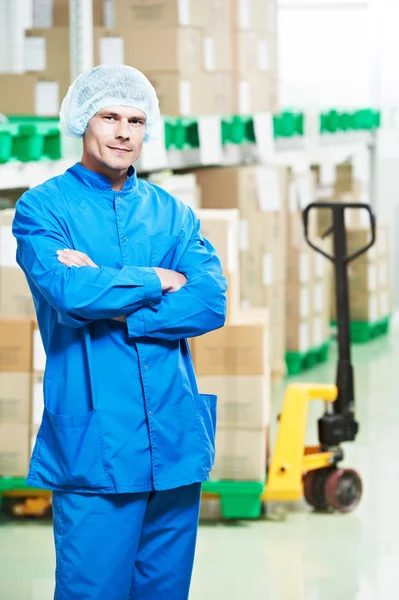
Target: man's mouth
119 149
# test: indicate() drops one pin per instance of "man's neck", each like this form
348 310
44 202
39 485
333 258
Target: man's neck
117 178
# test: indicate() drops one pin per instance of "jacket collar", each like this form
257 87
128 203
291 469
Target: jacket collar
96 181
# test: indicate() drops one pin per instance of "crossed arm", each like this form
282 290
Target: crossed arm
171 281
156 303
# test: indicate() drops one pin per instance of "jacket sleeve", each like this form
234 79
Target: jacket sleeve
78 294
199 306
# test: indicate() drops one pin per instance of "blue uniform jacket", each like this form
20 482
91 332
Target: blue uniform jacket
122 408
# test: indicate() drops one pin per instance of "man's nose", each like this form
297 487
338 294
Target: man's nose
123 130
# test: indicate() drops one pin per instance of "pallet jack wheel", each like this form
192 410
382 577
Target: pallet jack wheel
343 490
314 488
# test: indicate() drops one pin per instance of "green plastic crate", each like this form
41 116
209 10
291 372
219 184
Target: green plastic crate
233 130
238 499
8 131
37 137
362 332
302 361
288 124
181 134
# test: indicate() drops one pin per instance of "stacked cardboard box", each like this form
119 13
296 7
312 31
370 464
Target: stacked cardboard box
205 57
220 228
188 51
48 52
233 363
370 281
15 296
38 366
341 184
257 193
184 187
15 395
255 85
53 13
308 274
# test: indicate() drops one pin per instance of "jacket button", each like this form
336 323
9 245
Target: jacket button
126 239
151 304
146 367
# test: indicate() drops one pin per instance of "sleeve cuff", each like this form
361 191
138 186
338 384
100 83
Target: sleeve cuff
152 289
153 293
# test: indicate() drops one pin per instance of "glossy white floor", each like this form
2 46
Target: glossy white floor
304 557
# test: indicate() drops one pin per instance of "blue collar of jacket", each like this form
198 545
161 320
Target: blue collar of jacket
96 181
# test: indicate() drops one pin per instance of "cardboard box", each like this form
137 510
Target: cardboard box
221 229
34 430
168 49
55 13
233 296
39 353
364 276
243 402
131 15
61 12
14 449
364 306
15 397
15 345
254 14
251 189
199 94
217 49
15 295
299 300
383 240
320 329
31 94
300 264
255 92
263 249
254 52
385 303
298 334
236 349
274 298
37 398
48 51
184 187
240 455
8 243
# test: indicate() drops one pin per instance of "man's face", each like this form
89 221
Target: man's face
114 137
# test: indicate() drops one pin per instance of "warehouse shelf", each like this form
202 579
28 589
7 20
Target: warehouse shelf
363 331
238 499
302 361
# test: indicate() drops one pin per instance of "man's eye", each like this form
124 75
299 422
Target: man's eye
110 118
136 122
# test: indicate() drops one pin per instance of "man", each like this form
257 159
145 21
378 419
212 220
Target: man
120 276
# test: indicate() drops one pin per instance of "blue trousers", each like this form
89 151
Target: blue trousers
125 546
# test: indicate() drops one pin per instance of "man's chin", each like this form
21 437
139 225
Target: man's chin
119 165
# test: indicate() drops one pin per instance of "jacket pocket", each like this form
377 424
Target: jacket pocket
70 453
206 414
163 248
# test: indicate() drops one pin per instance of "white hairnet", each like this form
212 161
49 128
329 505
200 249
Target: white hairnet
108 86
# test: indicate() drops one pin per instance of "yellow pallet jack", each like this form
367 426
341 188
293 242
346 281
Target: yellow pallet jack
295 469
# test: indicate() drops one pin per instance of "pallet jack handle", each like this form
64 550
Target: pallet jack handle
341 425
339 207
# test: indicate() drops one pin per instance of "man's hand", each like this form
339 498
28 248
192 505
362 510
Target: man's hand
171 281
74 258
